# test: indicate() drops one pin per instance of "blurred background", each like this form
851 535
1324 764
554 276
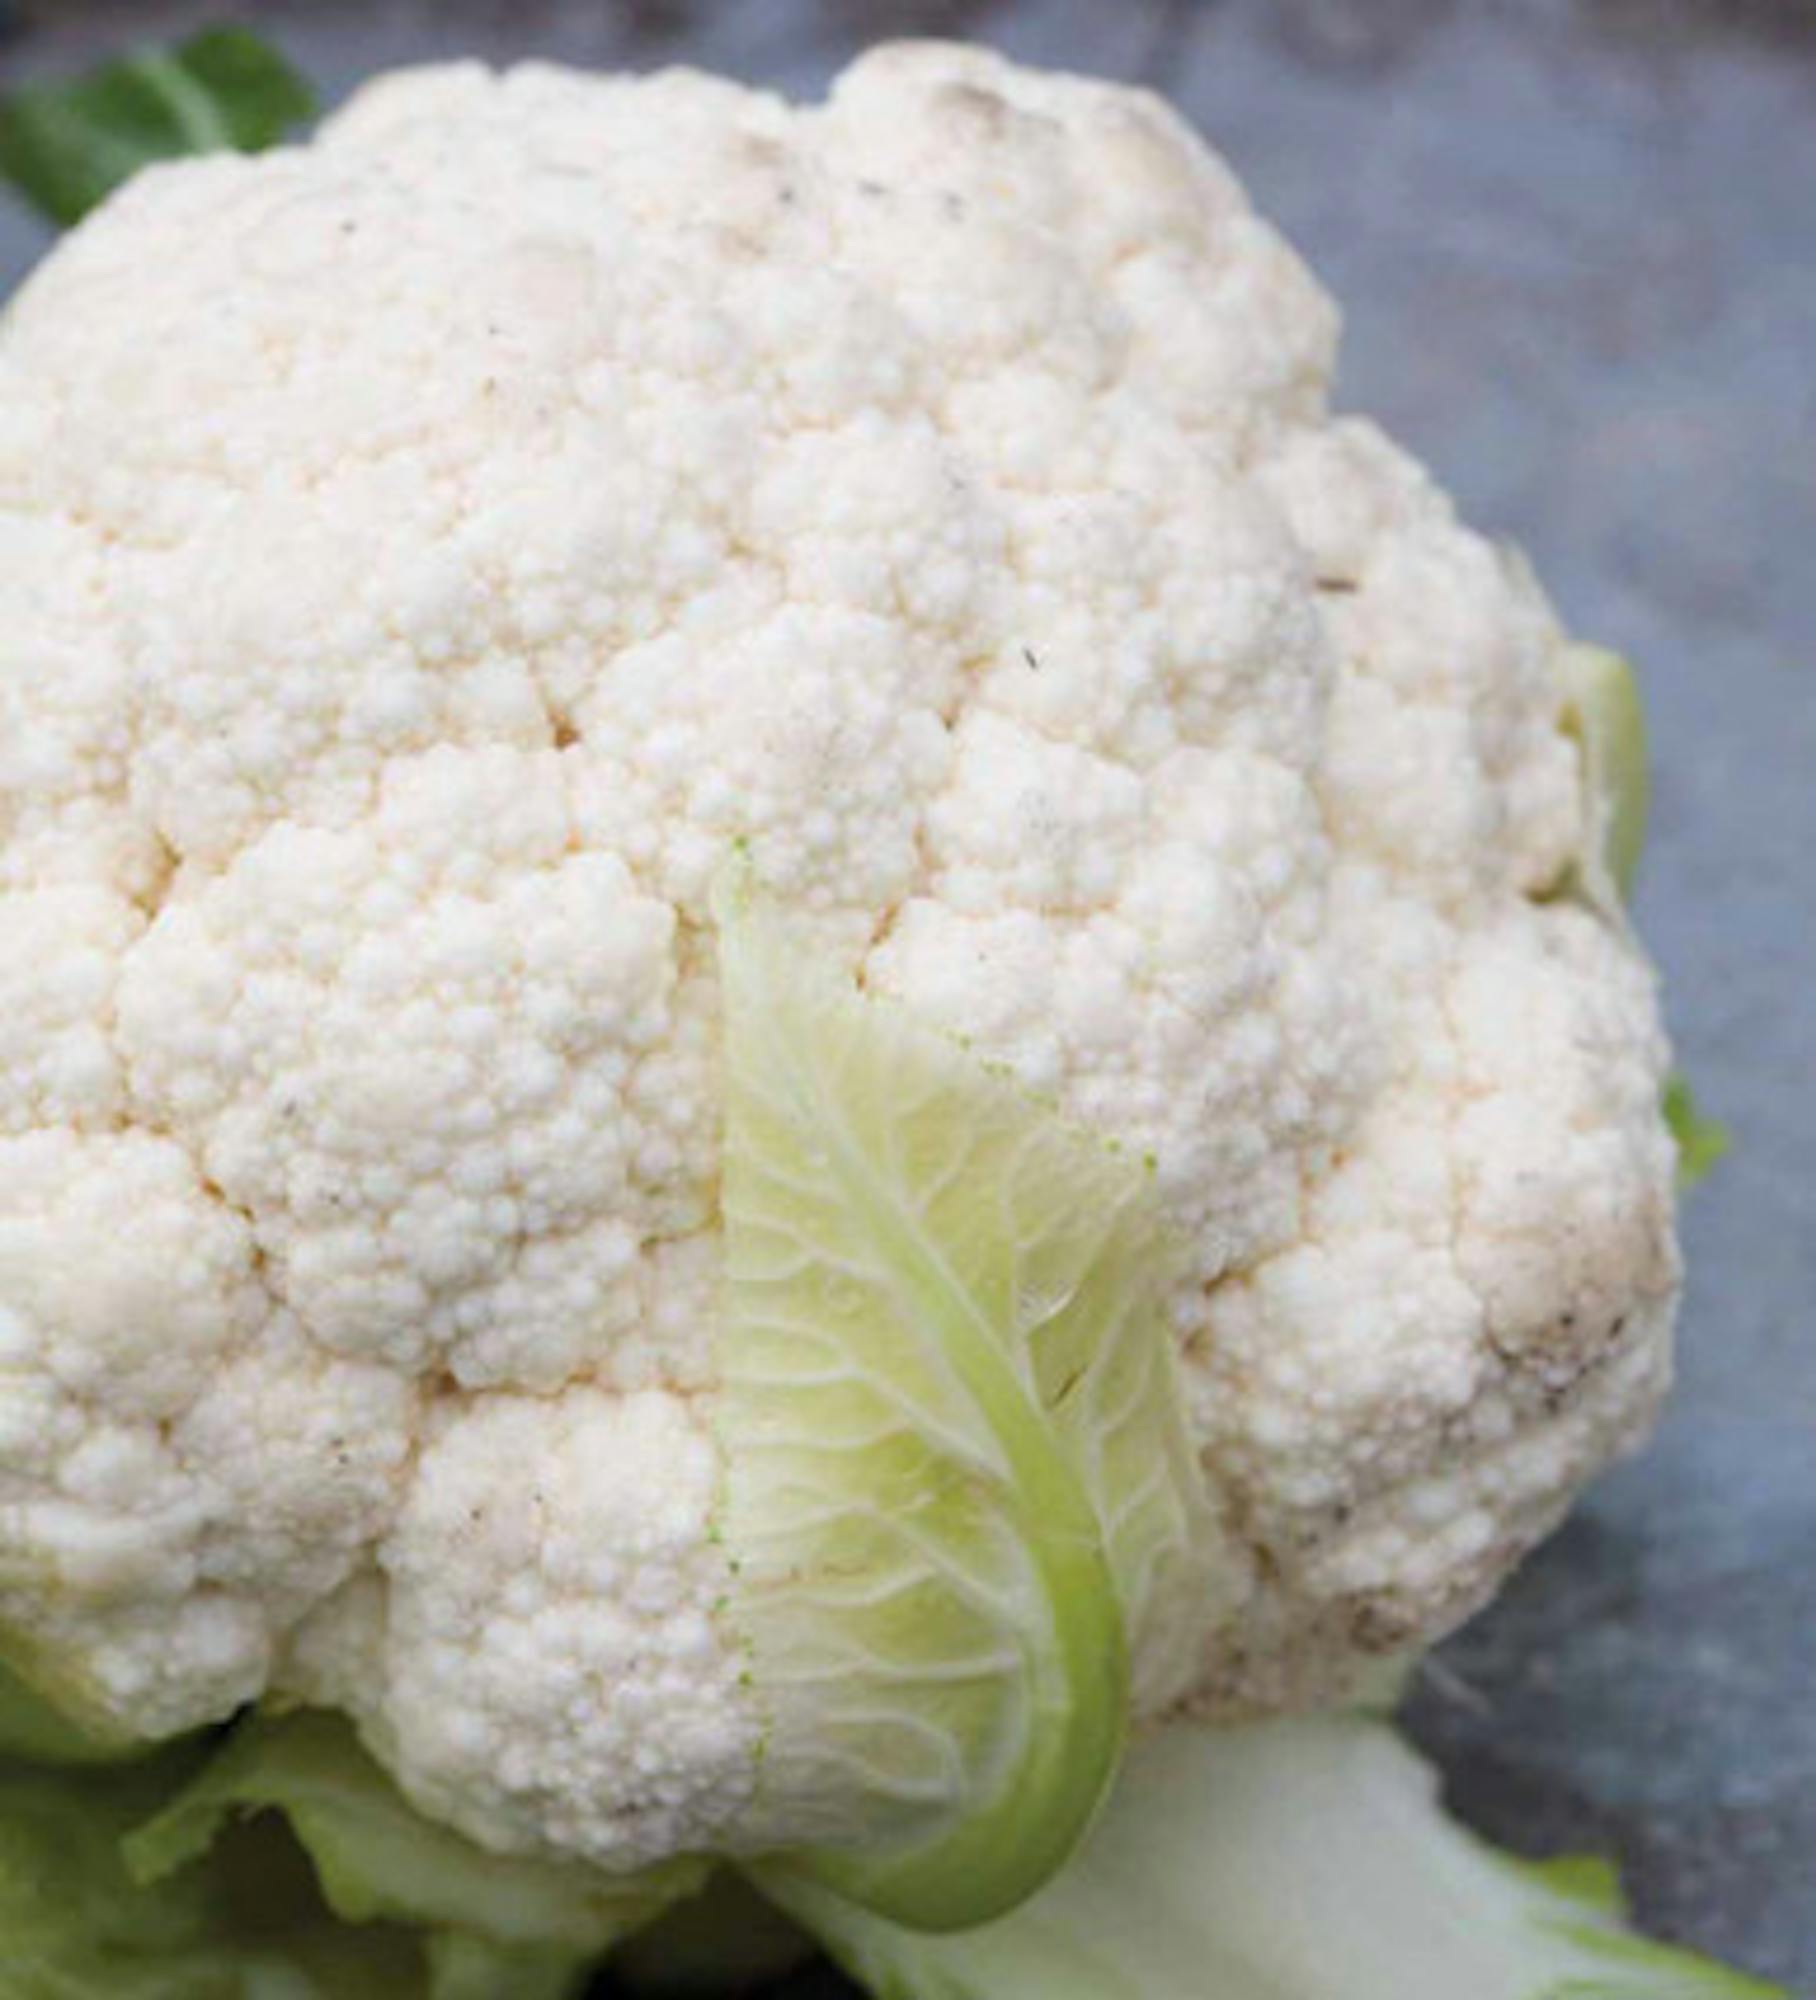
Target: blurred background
1576 243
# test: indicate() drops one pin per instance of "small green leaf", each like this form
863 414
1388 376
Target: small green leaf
1603 711
488 1923
1701 1141
66 146
957 1474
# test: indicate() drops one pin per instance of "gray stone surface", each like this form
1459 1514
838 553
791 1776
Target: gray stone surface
1577 244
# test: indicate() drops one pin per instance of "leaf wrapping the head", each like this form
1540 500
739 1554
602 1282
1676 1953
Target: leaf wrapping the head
958 1477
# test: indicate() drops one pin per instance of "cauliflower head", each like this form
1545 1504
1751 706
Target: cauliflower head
426 556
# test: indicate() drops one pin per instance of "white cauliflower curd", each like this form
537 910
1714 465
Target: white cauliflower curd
428 559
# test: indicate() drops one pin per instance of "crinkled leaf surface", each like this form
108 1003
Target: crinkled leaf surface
957 1471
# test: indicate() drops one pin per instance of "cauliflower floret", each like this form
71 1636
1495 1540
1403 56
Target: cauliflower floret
405 1046
571 1687
182 1472
424 556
